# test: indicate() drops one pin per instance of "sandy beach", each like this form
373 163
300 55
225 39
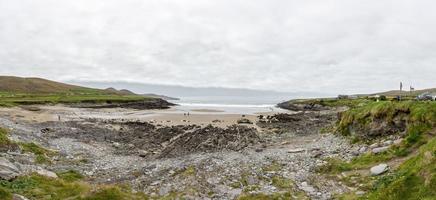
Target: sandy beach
177 115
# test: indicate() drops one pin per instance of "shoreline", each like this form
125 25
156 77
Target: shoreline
176 115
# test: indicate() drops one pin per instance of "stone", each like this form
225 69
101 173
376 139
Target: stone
379 169
164 190
363 149
47 173
298 150
258 150
142 153
307 188
387 142
251 180
116 144
18 197
379 149
8 170
360 193
398 141
372 146
233 193
244 121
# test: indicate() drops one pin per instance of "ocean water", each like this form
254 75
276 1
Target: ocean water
234 100
230 104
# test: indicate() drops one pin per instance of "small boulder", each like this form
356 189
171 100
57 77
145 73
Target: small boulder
387 142
8 170
298 150
252 180
363 149
19 197
379 169
380 149
398 141
372 146
116 144
244 121
47 173
142 153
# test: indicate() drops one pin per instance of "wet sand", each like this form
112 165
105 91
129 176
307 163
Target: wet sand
168 117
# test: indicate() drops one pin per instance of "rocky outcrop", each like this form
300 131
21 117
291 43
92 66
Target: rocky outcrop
289 105
300 123
148 140
8 170
376 126
154 103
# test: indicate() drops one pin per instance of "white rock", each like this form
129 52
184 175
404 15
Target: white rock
387 142
379 169
363 149
380 149
360 193
8 170
47 173
372 146
116 144
19 197
298 150
398 141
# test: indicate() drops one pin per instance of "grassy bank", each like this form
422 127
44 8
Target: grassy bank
75 96
414 179
373 122
68 186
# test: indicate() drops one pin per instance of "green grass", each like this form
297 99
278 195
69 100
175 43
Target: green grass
273 167
70 175
42 155
39 187
420 120
5 143
335 166
414 179
85 96
419 113
282 183
333 102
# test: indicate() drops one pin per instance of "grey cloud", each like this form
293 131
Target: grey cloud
329 45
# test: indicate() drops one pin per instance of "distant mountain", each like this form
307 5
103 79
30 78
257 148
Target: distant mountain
121 92
182 91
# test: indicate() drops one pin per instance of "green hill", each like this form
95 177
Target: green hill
13 84
18 91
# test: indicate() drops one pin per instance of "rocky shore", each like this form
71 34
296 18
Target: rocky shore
279 156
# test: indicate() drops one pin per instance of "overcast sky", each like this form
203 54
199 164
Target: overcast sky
341 46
